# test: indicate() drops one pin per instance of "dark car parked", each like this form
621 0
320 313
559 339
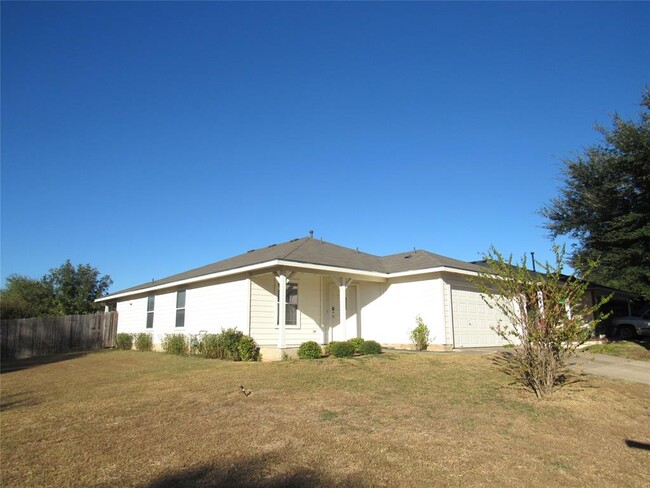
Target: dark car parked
632 326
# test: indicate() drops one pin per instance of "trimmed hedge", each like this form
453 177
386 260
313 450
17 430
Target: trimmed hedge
356 343
370 347
310 350
341 349
124 341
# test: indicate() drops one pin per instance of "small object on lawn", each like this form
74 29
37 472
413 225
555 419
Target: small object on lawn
243 390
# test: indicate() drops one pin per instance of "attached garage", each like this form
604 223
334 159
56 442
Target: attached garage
472 319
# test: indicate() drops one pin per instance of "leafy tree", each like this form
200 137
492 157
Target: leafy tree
65 290
605 205
75 289
546 314
25 297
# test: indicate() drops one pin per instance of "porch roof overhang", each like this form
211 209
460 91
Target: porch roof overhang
275 264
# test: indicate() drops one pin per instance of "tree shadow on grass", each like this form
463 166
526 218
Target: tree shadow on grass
16 400
19 364
567 377
265 471
637 445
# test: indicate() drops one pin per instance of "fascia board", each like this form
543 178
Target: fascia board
188 281
245 269
288 264
439 269
334 269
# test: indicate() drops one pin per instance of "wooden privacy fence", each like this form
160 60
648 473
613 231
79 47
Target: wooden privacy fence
40 336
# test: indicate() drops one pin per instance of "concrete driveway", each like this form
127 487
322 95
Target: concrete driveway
612 367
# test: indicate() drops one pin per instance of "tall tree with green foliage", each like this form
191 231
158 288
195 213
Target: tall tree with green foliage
65 290
76 288
25 297
604 204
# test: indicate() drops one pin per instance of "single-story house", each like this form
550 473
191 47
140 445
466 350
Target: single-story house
289 293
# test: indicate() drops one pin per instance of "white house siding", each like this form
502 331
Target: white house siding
390 318
132 315
215 307
263 310
263 313
371 314
207 308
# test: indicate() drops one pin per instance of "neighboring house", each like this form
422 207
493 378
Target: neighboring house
314 280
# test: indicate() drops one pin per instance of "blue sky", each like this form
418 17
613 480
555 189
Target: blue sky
150 138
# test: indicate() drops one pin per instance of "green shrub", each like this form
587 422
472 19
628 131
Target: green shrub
370 347
310 350
124 341
420 335
341 349
211 347
356 343
175 344
144 341
229 344
248 350
229 341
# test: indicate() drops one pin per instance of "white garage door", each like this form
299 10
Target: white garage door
472 319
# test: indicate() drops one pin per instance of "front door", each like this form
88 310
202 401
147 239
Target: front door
338 331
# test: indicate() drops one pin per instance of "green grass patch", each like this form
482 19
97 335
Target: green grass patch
637 350
327 415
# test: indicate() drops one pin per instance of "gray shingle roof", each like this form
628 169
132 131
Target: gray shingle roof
308 250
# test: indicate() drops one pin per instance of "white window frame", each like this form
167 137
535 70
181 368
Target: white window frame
277 305
183 308
150 313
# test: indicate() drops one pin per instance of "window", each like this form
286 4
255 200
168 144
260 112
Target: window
151 299
291 305
180 308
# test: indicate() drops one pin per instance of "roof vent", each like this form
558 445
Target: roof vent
408 256
311 234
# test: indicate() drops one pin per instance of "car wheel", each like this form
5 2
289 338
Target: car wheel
626 332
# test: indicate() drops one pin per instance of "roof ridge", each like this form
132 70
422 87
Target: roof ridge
304 241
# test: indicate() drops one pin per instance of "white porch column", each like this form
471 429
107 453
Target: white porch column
343 314
282 308
282 277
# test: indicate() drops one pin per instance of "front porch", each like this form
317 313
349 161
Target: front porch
374 308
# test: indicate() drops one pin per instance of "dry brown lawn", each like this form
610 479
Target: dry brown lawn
129 419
